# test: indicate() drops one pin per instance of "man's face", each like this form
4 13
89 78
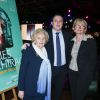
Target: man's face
57 23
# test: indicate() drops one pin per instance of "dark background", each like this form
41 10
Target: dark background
41 11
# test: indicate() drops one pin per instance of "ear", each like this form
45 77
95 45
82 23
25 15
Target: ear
34 42
85 29
51 22
73 28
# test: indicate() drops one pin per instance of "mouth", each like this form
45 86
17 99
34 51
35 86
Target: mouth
41 43
58 26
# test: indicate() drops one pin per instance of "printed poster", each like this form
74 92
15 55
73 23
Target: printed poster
10 44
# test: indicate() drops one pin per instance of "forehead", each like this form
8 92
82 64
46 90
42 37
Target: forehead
40 35
80 23
57 17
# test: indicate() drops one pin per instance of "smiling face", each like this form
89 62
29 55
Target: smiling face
57 22
40 40
80 26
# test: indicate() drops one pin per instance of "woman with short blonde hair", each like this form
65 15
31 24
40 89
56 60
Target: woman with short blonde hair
83 55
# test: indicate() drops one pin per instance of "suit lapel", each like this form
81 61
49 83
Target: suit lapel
71 46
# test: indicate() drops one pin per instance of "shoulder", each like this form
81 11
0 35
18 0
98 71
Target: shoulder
67 34
91 40
28 49
49 30
91 43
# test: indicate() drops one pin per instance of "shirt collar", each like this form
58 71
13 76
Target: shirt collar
54 31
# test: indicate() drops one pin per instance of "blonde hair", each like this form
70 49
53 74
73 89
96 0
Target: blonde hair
39 31
80 20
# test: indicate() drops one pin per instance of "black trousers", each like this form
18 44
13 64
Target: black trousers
79 84
58 76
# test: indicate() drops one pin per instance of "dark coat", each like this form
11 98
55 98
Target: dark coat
29 71
87 57
50 45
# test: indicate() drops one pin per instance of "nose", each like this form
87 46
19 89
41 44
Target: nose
41 40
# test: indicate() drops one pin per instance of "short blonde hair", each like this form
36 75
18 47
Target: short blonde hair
39 31
80 20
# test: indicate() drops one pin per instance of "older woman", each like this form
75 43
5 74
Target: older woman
35 69
82 60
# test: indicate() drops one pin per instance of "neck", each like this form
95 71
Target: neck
57 30
37 46
79 37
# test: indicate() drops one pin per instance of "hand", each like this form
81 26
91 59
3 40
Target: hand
21 94
25 45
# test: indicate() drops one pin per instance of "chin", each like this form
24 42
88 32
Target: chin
58 29
41 46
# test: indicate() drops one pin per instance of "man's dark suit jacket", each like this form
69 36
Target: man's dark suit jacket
50 45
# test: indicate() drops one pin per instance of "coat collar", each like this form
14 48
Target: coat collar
85 37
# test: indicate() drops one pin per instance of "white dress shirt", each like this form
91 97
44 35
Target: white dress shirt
62 44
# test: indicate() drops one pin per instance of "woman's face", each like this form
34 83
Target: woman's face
80 28
40 40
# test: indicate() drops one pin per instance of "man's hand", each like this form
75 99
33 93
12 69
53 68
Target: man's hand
25 45
21 94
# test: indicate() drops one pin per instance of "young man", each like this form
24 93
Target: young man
57 48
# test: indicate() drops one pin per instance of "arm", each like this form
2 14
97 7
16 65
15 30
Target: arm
92 53
22 72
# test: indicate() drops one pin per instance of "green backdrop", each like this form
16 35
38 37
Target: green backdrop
10 55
